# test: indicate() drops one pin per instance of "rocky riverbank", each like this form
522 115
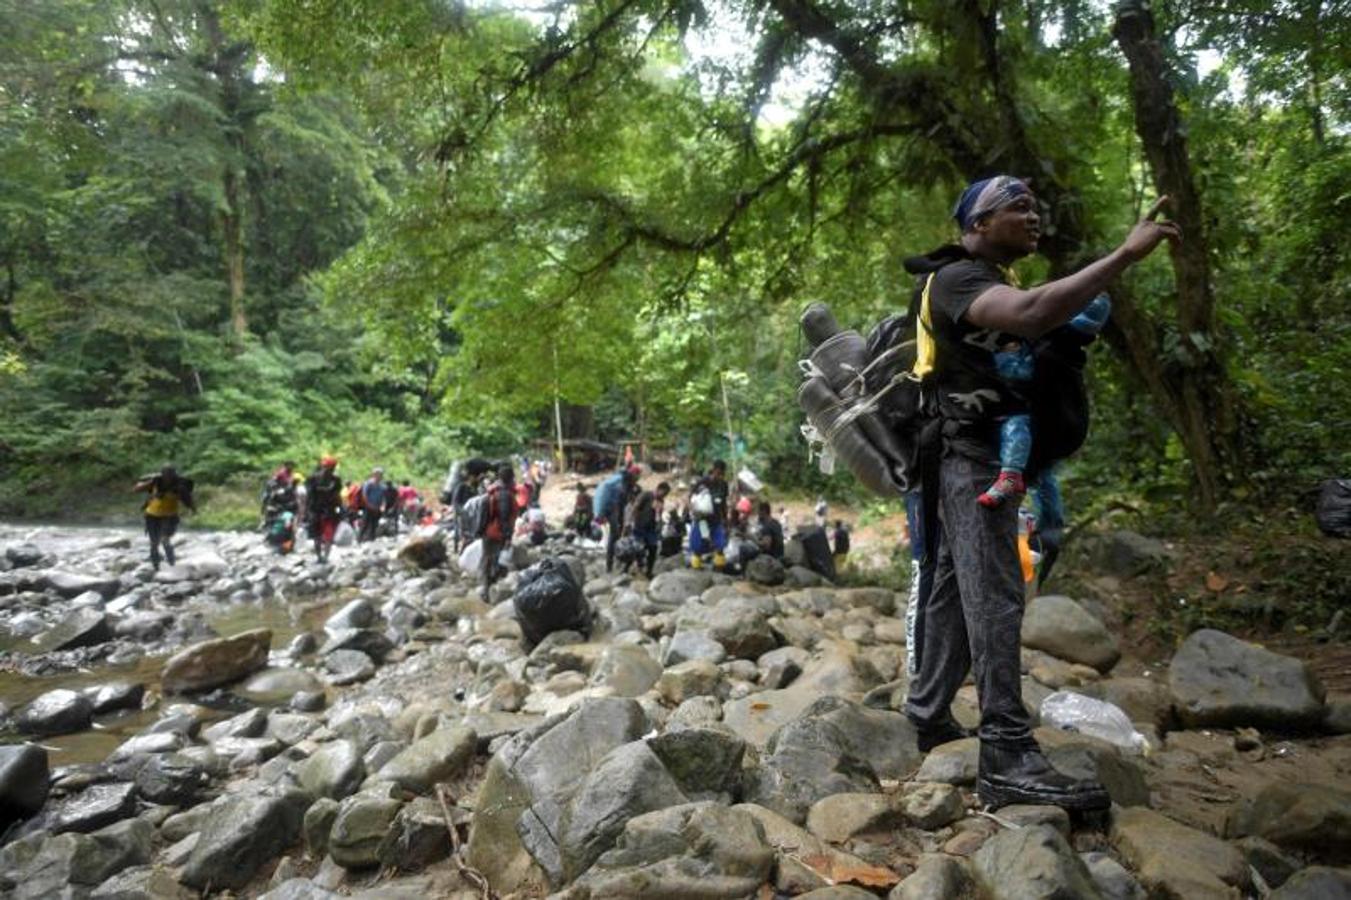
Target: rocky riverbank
289 730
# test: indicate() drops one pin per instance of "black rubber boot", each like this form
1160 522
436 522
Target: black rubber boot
933 734
1025 775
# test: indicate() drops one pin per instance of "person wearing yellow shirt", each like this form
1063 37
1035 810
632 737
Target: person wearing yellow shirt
169 494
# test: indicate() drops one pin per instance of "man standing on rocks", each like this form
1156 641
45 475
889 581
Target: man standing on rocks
371 499
972 618
324 506
646 518
169 493
502 511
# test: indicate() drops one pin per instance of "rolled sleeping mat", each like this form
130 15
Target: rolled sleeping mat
839 359
851 444
818 323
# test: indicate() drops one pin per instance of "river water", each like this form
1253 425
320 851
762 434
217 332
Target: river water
70 545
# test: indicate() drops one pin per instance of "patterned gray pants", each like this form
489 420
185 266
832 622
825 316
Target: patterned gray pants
974 613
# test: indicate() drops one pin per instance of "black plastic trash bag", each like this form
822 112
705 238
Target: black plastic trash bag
816 547
1333 513
548 599
628 549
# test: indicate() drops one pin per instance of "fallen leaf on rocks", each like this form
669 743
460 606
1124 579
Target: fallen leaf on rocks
839 871
1216 582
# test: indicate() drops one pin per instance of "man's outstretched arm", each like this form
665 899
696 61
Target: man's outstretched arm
1033 312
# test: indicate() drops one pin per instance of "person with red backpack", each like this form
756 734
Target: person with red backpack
503 508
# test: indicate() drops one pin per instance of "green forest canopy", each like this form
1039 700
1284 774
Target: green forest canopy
236 231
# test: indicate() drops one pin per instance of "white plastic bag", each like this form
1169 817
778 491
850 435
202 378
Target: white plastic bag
344 535
701 504
471 557
1069 711
504 557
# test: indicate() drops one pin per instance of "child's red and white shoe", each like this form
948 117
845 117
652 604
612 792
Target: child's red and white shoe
1008 484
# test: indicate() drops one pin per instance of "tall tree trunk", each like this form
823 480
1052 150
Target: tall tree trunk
1204 405
7 325
224 63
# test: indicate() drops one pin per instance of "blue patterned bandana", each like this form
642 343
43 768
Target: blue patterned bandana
986 196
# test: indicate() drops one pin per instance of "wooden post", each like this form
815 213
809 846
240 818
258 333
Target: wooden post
731 439
558 418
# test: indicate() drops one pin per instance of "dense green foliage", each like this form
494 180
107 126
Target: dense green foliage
236 231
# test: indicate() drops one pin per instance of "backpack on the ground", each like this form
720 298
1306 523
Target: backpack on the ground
816 549
548 599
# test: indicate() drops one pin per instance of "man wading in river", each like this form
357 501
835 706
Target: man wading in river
973 615
169 494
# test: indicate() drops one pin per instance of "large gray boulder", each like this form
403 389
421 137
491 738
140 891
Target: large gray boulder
360 829
215 662
425 548
70 864
1174 860
60 711
700 851
531 781
1066 630
1315 818
808 759
440 756
86 627
1034 863
629 781
688 644
24 782
1217 680
241 836
1316 883
670 589
334 771
627 669
72 584
705 762
1127 553
741 625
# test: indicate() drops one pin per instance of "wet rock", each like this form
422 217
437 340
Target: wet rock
334 770
1032 863
247 724
216 662
241 836
1083 757
1174 860
348 667
696 712
628 781
1317 883
1217 680
1064 629
142 883
83 860
302 644
154 742
886 739
93 808
440 756
1311 817
308 701
1024 815
425 548
56 712
696 644
808 759
360 828
531 780
937 876
290 729
1113 880
366 640
357 614
173 779
24 782
695 850
23 555
741 625
627 670
417 838
705 762
765 569
840 817
365 730
86 627
931 805
73 584
694 678
111 697
670 589
318 824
